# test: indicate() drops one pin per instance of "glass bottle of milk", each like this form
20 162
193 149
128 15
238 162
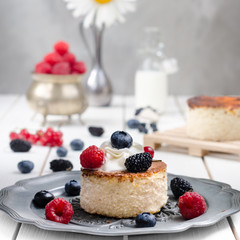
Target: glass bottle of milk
151 84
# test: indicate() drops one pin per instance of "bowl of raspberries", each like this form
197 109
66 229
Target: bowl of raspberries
57 87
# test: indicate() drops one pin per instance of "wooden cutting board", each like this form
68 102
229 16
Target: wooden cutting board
199 148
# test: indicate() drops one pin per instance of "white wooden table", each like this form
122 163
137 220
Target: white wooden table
15 113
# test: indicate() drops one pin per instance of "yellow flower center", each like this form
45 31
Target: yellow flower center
103 1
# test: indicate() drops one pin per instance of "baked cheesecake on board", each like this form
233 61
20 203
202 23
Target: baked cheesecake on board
214 118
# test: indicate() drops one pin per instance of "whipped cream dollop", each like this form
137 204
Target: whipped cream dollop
115 158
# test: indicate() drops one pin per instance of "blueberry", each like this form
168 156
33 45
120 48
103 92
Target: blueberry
72 188
77 144
121 139
145 219
142 129
42 198
62 152
25 166
96 131
133 123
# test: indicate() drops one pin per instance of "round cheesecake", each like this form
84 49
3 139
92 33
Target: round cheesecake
122 194
214 118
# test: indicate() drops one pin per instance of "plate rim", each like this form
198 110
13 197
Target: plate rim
235 198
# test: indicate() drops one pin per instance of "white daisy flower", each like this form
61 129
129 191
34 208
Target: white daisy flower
100 12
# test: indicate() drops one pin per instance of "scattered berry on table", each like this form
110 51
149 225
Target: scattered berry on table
92 157
179 186
62 151
61 165
53 58
59 210
79 67
61 68
153 125
72 188
77 145
96 131
25 166
19 145
61 47
70 58
191 205
145 219
43 67
139 162
14 135
42 198
133 123
121 139
150 150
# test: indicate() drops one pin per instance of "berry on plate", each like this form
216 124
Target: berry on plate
149 149
145 219
179 186
191 205
72 188
53 58
25 166
19 145
43 67
59 210
61 68
62 151
139 162
77 145
92 157
96 131
133 123
121 139
61 47
61 165
42 198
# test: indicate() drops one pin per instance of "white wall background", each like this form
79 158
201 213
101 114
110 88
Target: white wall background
204 35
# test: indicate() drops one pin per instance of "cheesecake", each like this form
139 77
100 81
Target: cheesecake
122 194
214 118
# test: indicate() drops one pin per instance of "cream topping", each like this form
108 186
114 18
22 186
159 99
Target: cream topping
115 158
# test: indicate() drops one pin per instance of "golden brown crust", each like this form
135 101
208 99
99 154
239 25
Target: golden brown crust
214 102
156 167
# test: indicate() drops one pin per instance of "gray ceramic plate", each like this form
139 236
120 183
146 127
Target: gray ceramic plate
16 201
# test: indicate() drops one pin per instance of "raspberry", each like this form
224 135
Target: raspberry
79 67
61 68
139 162
43 67
150 150
70 58
92 157
179 186
192 205
59 210
53 58
61 47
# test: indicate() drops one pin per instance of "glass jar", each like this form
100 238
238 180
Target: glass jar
151 85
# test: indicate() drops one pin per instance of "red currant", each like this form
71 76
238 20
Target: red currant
149 150
13 135
25 134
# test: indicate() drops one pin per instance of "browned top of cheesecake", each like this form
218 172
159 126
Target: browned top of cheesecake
214 102
156 167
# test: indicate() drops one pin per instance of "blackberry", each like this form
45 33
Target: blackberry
19 145
139 162
96 131
179 186
61 165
